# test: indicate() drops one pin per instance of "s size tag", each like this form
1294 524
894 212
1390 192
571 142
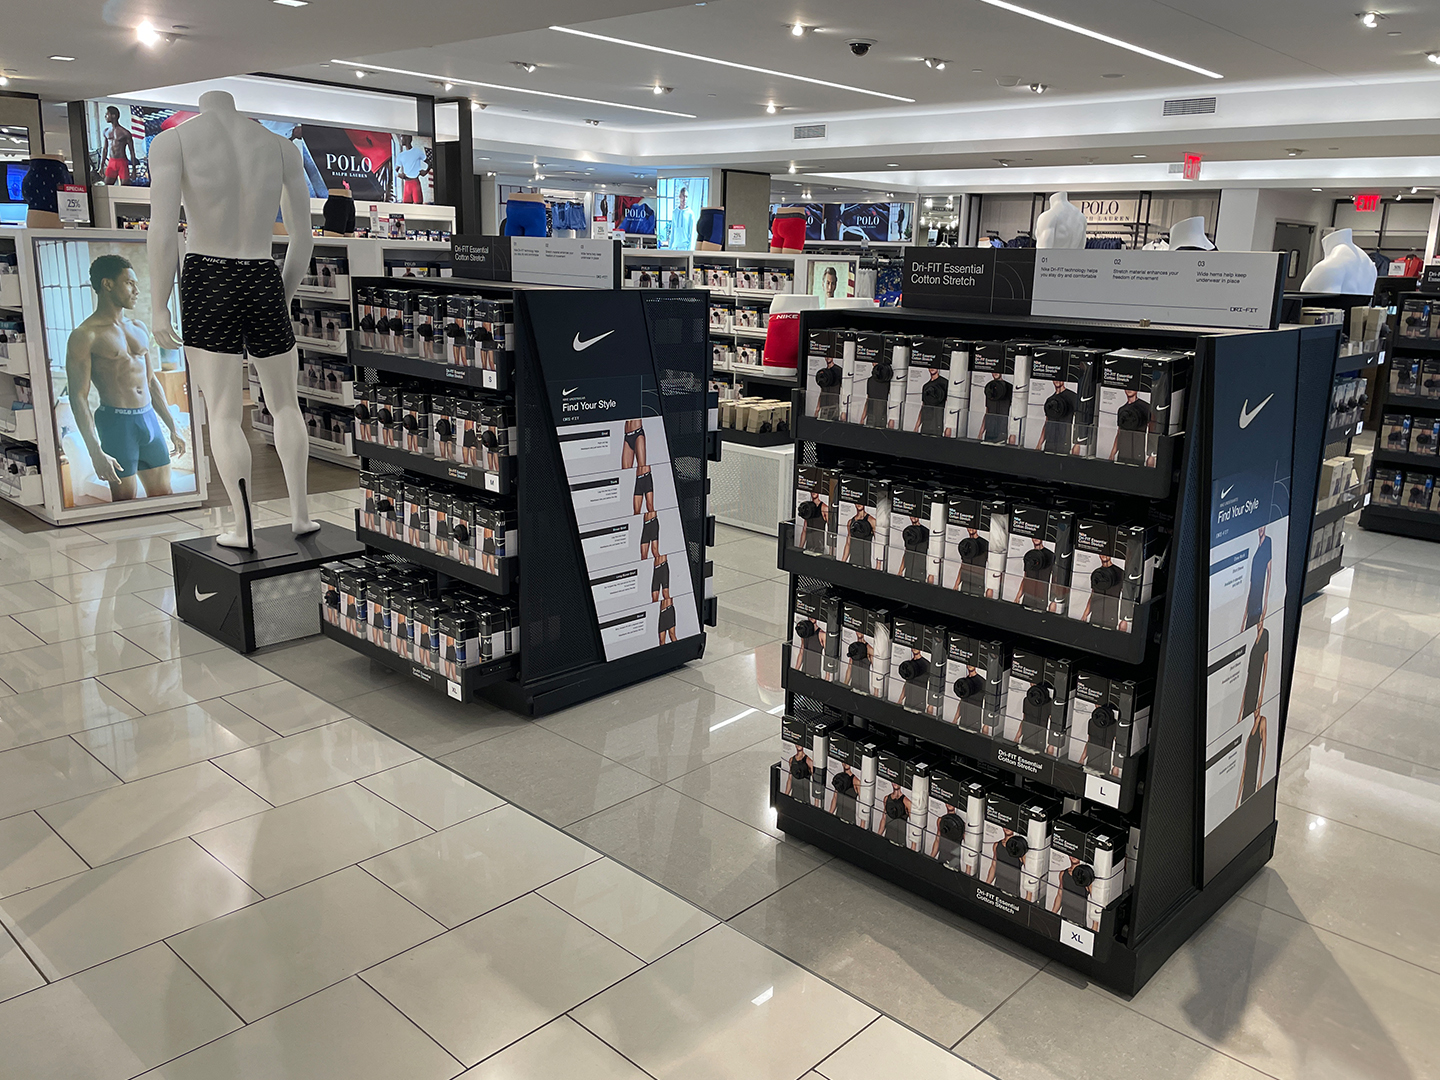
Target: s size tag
489 379
1077 937
1103 790
452 688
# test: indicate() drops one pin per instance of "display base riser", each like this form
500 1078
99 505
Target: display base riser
467 688
1317 579
1416 524
541 697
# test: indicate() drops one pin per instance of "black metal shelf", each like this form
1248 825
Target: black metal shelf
1342 509
1339 434
1125 648
497 483
751 438
498 380
1065 777
1320 576
1357 361
465 689
1410 401
1414 461
501 582
1411 345
1037 926
1096 473
1398 521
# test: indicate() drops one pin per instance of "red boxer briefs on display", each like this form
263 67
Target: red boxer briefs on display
117 170
787 233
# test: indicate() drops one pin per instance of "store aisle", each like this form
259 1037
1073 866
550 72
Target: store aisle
220 867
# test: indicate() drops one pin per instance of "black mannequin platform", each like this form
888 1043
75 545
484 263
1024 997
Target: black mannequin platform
248 599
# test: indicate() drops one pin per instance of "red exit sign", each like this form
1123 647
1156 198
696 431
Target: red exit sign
1367 204
1192 167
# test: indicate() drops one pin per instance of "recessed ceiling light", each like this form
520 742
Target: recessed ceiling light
1433 57
892 164
359 72
1039 87
523 65
1139 157
1112 75
936 63
1317 189
1003 162
66 59
663 90
147 34
1370 19
291 3
798 30
1294 151
732 64
520 90
448 86
1414 191
792 168
1063 25
771 107
1392 33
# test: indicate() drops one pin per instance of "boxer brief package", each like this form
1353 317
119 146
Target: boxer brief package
459 642
798 768
1060 415
388 416
1395 433
469 427
370 501
918 662
897 357
992 389
1110 721
416 522
1425 436
863 527
456 331
1039 558
366 428
1419 487
460 521
495 533
1020 357
955 826
366 315
850 765
1087 868
1405 376
977 683
1038 704
917 526
1113 571
330 592
977 540
415 421
430 314
391 512
1430 377
1388 488
870 379
894 807
818 729
926 408
816 510
824 374
1142 397
815 637
864 653
1015 852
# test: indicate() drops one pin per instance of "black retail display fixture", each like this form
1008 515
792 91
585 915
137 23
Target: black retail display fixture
1418 345
1191 859
561 659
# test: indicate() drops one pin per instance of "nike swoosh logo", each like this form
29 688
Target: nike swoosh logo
202 596
581 346
567 393
1227 491
1247 414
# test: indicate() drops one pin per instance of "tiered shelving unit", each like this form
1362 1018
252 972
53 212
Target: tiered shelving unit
1182 875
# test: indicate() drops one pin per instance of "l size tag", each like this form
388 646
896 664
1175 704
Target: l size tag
1103 790
1077 937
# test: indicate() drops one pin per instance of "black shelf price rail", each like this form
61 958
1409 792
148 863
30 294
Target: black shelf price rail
498 380
1118 645
497 483
1098 473
465 689
1064 776
500 582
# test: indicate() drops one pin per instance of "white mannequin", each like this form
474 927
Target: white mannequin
1062 225
1345 269
231 173
1190 233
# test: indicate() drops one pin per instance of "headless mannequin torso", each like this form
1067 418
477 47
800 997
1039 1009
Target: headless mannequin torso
230 174
1061 226
42 213
1344 269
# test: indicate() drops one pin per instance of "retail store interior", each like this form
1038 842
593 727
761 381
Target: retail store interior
719 540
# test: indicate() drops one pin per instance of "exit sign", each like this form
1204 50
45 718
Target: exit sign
1192 167
1367 204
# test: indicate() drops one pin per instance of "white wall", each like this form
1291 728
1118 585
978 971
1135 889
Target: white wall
1248 216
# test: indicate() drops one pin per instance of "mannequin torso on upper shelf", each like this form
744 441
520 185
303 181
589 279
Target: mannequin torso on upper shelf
46 175
1345 269
1060 226
231 174
1189 235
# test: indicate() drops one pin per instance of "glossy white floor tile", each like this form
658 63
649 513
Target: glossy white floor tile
634 913
560 1048
885 1048
266 956
760 1017
60 710
172 683
132 749
32 853
483 985
42 773
84 920
70 661
284 770
121 613
17 973
432 793
113 1021
284 708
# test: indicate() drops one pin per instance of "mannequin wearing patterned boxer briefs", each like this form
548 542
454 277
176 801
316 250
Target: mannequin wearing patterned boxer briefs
233 300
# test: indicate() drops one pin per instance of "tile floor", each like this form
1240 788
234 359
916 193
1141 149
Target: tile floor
292 866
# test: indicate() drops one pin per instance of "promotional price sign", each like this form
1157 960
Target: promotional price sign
73 204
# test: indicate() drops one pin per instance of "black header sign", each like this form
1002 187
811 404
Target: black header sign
485 258
1430 279
988 280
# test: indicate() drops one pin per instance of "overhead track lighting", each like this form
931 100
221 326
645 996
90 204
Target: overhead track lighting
936 63
731 64
663 90
449 86
523 65
4 80
517 90
1016 9
1369 19
1039 87
359 72
1433 57
792 168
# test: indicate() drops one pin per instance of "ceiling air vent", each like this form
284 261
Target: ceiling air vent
1192 106
1177 168
810 131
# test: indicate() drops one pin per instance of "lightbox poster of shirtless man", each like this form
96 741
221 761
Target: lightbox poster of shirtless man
112 352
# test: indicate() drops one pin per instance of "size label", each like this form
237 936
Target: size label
1077 937
452 688
1103 790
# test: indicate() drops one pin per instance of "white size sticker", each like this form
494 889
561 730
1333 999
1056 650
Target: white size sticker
452 688
1103 790
492 481
1077 937
490 380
